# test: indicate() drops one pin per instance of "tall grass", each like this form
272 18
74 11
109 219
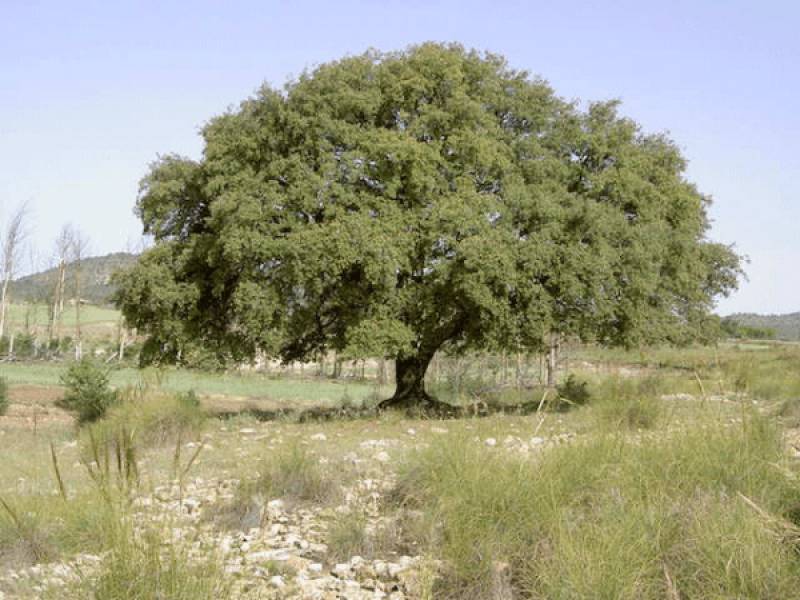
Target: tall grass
351 534
144 566
156 417
293 474
42 528
629 403
614 518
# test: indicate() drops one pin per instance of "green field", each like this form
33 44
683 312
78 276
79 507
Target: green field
97 323
38 315
302 392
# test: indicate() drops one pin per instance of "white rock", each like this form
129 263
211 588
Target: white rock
277 581
536 440
438 430
342 571
247 430
394 570
490 442
61 570
319 437
315 567
381 569
268 555
382 457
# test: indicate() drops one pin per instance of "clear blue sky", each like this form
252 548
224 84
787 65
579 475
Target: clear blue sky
91 92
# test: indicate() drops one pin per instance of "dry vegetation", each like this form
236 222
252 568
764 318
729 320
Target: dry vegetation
664 474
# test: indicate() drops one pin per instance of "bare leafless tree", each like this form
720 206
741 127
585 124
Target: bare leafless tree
11 245
79 246
63 248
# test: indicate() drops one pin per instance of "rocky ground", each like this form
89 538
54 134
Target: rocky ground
279 547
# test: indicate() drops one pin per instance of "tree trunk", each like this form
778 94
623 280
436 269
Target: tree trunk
410 380
410 391
552 360
3 307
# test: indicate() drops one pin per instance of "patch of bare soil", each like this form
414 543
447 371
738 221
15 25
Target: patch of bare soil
35 394
33 406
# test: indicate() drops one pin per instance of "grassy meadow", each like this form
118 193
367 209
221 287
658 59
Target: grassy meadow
97 322
656 474
283 391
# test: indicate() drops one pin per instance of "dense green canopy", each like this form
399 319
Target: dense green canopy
395 204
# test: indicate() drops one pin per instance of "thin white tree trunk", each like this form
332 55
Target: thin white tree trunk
4 306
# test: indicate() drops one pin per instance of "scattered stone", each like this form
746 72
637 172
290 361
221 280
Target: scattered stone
342 571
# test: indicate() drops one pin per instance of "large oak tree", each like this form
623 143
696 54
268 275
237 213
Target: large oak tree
396 204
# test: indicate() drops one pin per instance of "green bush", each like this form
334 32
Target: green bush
573 392
88 392
156 417
25 346
4 402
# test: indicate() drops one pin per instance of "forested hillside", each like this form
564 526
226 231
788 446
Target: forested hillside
95 280
786 327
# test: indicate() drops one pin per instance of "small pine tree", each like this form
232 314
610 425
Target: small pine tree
88 391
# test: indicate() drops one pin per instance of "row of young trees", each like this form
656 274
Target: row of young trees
70 248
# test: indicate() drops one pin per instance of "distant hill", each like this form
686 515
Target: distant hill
787 327
95 276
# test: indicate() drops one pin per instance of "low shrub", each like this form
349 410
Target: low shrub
156 417
88 392
571 393
25 346
4 401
